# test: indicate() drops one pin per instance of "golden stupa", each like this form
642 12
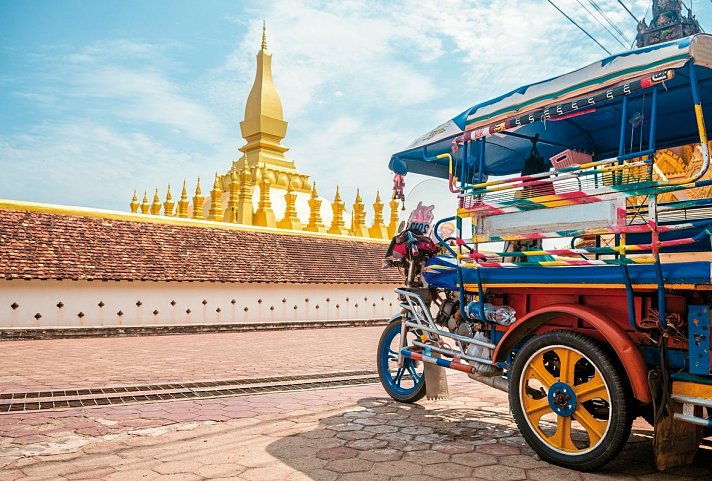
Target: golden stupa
264 128
245 193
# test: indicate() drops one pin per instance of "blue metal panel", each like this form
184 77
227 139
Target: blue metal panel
678 359
687 377
698 321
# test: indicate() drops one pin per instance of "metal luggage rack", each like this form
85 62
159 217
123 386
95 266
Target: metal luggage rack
575 184
431 336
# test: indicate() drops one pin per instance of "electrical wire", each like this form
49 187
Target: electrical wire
602 25
579 27
607 19
629 12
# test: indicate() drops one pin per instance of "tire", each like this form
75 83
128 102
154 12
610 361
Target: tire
548 407
401 387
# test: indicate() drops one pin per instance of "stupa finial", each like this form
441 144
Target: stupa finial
183 202
145 206
156 205
378 230
168 204
198 201
134 203
315 222
264 34
215 213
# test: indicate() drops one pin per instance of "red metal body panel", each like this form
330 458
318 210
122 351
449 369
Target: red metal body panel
563 314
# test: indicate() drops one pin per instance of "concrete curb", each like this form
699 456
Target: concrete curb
24 334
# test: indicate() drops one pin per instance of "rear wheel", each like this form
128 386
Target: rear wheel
569 400
405 383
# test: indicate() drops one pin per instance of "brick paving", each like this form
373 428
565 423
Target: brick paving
343 434
58 364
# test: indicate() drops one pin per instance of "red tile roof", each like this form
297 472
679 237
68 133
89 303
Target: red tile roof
39 245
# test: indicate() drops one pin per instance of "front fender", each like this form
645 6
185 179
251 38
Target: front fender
624 347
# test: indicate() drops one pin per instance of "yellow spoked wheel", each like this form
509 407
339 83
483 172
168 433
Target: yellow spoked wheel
569 401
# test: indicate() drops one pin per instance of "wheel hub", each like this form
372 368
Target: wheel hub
562 399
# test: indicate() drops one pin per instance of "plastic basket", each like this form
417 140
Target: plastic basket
569 157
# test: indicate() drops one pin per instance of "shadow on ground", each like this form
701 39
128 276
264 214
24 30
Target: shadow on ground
380 439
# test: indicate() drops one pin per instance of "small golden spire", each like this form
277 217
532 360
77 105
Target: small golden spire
198 201
245 213
315 223
393 221
337 222
183 203
168 204
230 214
145 206
378 230
264 34
215 212
156 205
358 223
264 216
291 219
134 203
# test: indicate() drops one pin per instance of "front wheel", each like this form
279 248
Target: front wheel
570 401
406 383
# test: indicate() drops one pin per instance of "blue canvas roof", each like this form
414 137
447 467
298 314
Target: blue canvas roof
596 132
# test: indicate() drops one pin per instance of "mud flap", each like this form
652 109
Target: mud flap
435 381
675 442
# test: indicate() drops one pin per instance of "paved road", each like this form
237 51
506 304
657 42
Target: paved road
342 434
59 364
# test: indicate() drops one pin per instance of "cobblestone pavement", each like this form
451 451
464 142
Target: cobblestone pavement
66 363
344 434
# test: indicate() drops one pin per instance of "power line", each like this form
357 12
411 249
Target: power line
579 27
629 12
602 25
607 19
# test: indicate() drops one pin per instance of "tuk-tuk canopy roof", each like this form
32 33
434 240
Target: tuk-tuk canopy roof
595 130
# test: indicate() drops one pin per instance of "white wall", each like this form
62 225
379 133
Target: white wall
237 303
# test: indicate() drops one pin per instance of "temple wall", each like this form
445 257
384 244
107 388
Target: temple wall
59 303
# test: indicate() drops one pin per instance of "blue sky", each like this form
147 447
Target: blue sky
98 98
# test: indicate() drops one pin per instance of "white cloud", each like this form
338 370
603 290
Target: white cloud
92 165
147 96
125 80
349 47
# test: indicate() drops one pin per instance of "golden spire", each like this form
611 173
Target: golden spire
358 224
264 34
393 221
134 203
145 206
244 199
183 203
263 127
378 230
198 201
215 212
156 205
230 214
168 204
291 220
315 223
264 215
337 223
